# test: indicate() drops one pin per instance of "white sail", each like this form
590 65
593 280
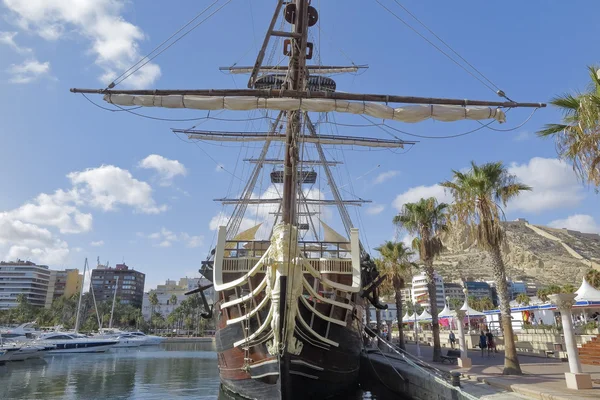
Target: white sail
330 235
411 113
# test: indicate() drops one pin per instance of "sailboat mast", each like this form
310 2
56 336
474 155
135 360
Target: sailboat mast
80 296
113 305
297 76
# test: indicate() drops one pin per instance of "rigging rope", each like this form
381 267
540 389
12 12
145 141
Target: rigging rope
500 93
114 83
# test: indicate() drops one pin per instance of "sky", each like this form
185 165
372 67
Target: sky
79 181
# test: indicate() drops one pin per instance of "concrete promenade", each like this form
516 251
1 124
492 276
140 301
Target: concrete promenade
543 378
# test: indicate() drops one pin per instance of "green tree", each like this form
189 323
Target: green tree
578 136
395 266
427 220
568 288
523 299
478 197
153 299
593 278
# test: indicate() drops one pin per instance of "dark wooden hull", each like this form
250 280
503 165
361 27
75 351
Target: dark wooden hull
316 373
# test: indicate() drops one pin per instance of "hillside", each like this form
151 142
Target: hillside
531 252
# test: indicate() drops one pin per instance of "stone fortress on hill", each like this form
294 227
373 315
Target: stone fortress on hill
531 253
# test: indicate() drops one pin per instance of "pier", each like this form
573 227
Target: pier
543 378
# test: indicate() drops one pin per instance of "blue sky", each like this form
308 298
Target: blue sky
80 182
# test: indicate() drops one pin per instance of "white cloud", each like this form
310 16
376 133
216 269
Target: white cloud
384 176
57 210
8 38
98 243
554 184
166 238
23 230
415 194
166 169
28 71
113 40
578 222
192 241
522 136
30 242
108 186
375 209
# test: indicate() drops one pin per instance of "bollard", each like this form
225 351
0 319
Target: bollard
455 378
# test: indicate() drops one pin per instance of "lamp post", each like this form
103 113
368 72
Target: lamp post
466 292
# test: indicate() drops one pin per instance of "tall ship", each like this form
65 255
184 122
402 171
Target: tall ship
291 291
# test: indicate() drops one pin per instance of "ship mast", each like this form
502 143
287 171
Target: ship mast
297 71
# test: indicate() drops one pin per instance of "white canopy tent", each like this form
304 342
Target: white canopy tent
425 316
471 312
447 313
587 292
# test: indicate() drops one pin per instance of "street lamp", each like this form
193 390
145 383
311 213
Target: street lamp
466 292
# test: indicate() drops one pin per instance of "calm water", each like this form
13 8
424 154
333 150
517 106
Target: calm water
171 371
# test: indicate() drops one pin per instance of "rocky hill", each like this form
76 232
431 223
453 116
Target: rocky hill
531 253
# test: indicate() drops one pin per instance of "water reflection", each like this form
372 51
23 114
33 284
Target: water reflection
172 371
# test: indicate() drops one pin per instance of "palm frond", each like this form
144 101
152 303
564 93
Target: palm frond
567 102
552 129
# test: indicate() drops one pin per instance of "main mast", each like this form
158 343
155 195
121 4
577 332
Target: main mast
297 71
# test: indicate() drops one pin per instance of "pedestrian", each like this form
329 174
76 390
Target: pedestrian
491 346
482 342
452 339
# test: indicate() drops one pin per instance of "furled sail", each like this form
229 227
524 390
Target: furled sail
331 236
245 236
409 113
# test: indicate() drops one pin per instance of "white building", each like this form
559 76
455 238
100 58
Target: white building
170 288
23 277
419 291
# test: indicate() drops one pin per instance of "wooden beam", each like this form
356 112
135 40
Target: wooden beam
263 49
301 94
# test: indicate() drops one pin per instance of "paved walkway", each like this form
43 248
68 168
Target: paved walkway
543 378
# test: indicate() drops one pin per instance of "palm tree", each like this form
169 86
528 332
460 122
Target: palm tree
523 299
479 195
396 263
593 278
427 220
578 137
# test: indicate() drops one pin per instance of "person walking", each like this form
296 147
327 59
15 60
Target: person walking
482 342
491 346
452 339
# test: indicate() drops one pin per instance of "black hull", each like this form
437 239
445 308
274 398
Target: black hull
313 374
326 386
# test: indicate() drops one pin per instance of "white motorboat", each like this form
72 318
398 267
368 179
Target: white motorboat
129 340
149 340
4 356
74 343
22 332
26 351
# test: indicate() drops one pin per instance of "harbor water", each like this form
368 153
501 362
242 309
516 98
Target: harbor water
169 371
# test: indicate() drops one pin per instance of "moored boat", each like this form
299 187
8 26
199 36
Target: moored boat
74 343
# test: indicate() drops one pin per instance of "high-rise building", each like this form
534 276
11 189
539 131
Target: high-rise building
454 291
479 290
165 292
420 293
128 283
23 277
63 283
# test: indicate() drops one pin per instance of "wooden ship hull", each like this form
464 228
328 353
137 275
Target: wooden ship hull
288 323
